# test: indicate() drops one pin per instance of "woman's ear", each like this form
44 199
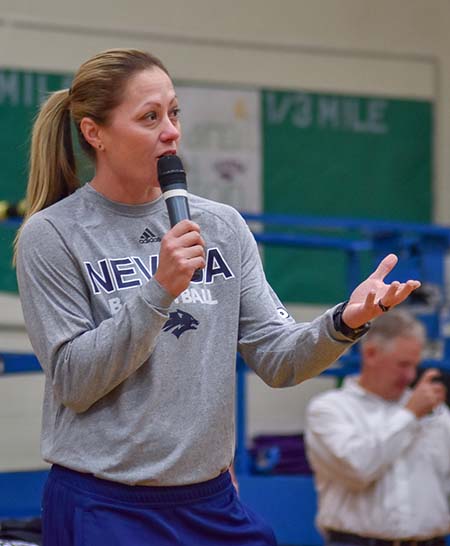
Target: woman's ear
91 133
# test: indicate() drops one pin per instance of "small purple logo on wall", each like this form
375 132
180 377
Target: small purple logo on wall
228 169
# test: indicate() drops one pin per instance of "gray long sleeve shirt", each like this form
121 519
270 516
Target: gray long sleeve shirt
140 386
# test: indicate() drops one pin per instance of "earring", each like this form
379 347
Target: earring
100 147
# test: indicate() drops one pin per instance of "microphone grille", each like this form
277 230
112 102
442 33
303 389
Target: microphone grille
170 171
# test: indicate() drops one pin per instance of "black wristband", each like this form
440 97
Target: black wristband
340 326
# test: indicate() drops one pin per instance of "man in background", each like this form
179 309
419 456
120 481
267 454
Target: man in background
381 451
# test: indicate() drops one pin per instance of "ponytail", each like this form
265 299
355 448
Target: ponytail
52 160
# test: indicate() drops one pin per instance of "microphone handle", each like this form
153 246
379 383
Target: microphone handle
178 209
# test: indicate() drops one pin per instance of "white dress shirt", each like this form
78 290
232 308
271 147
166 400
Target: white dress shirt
380 472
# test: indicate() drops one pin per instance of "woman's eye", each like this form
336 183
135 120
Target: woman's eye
151 116
176 113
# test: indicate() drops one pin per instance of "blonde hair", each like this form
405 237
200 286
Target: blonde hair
97 88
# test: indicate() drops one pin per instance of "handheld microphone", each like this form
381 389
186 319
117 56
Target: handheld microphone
172 179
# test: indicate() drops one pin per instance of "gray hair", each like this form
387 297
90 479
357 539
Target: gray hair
394 324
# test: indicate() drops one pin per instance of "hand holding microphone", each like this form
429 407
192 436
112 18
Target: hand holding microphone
182 253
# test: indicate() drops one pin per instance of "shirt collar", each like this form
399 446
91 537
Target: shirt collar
351 385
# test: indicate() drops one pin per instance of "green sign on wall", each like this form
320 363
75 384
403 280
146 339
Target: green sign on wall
20 96
21 93
340 156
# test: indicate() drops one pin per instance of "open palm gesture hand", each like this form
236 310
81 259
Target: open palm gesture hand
373 295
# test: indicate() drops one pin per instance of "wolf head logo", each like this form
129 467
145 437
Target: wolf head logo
179 322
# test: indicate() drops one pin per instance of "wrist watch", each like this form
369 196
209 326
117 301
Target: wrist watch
340 326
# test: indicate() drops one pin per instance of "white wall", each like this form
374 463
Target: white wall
387 47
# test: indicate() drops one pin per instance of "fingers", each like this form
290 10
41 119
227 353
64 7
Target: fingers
436 389
390 295
190 239
185 234
182 252
395 294
183 227
398 292
404 290
441 392
386 265
429 375
437 393
370 299
425 398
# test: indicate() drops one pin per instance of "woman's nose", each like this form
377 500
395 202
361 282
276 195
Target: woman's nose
170 132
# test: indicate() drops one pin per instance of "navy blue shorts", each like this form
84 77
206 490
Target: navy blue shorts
82 510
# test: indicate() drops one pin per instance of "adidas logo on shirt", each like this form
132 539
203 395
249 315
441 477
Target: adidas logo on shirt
148 237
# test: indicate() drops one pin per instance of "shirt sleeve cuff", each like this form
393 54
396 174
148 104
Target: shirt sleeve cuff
332 331
157 296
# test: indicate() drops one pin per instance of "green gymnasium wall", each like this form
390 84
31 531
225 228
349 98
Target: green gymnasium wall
322 154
